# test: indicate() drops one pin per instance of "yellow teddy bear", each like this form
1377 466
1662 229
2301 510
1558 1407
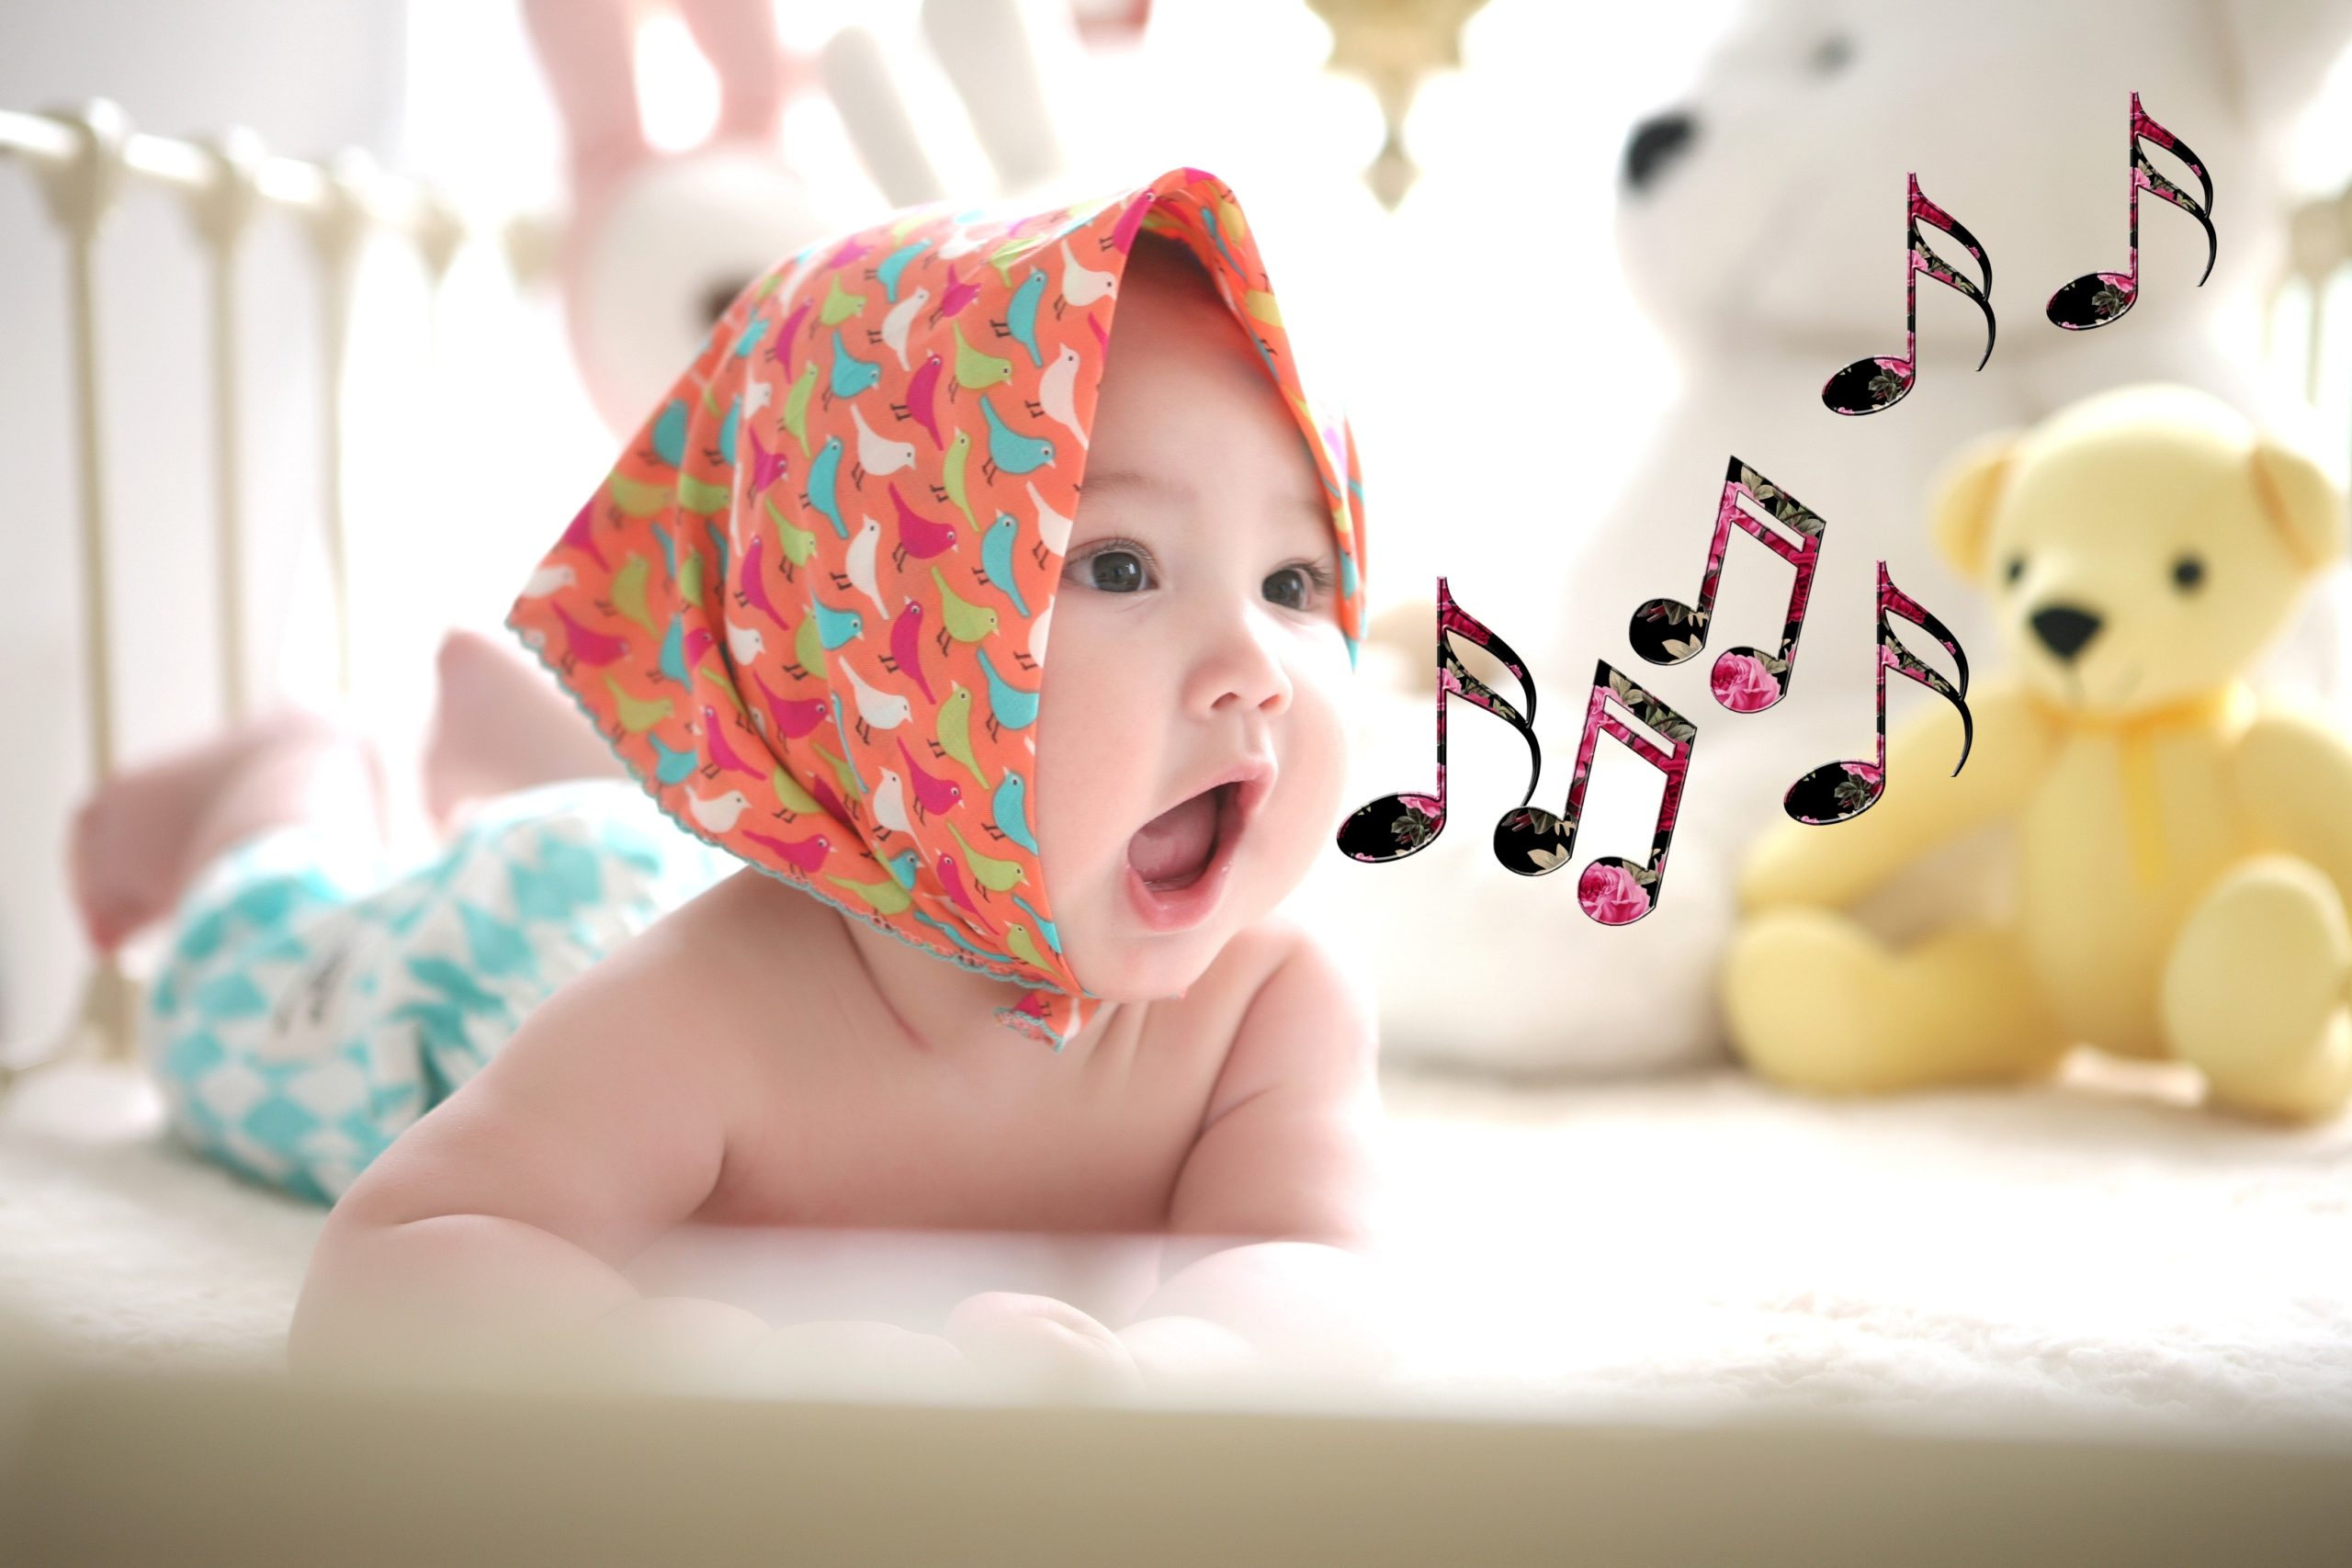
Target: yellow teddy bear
2184 855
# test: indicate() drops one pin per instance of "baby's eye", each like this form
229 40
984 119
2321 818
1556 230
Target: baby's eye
1295 587
1114 570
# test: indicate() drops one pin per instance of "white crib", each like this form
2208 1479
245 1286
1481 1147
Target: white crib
85 161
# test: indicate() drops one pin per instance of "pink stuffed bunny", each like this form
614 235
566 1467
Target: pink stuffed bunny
660 242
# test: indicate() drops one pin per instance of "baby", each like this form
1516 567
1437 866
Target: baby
810 611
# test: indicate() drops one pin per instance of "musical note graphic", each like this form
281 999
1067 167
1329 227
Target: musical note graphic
1868 385
1396 826
1838 792
1668 631
2097 297
1532 842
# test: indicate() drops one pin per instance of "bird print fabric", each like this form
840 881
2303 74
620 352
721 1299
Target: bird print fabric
810 605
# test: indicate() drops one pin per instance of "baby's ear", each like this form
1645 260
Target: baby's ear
2300 500
1961 496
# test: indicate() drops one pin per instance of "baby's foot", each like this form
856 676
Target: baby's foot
500 725
134 841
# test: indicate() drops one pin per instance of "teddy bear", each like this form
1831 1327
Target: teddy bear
2181 865
1759 223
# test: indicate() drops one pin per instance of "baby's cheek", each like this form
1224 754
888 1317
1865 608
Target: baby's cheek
1326 740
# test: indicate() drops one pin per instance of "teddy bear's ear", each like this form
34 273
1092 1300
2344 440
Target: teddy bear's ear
2301 499
1962 495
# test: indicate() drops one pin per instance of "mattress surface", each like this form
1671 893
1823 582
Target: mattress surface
2101 1249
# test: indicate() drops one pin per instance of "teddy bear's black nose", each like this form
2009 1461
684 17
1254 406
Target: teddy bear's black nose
1654 142
2064 628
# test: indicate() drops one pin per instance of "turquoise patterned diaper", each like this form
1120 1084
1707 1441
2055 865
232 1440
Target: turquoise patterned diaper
315 1003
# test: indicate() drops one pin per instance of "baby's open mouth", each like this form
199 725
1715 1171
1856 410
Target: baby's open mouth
1175 848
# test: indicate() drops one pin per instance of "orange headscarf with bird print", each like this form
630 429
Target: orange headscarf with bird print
808 606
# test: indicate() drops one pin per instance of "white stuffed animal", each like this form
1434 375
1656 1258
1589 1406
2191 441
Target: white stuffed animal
1760 221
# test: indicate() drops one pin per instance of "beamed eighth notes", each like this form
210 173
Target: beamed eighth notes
1533 842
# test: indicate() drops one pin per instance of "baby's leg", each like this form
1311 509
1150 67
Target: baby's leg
142 837
501 724
259 839
302 1029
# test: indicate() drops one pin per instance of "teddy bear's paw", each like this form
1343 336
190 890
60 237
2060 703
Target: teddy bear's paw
1810 996
2255 991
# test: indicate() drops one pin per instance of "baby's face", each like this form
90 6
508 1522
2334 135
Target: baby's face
1195 632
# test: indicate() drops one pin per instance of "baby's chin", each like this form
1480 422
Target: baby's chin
1149 967
1121 960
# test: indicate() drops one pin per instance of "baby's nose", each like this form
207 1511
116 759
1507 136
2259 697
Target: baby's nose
1243 672
2063 629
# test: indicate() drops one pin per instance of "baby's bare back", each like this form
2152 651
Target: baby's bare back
735 1064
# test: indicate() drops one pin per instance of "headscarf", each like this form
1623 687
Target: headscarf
809 605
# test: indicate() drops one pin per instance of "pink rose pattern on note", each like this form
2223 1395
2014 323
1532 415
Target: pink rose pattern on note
1534 842
1668 631
1612 895
1743 684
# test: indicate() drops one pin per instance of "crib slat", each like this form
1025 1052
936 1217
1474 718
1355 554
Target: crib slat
81 191
339 231
222 217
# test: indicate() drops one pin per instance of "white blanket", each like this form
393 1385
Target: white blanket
2099 1251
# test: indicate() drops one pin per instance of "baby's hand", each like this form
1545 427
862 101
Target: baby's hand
1175 1350
1038 1343
847 1358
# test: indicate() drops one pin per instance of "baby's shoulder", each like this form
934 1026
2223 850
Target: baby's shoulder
1215 1007
706 972
736 946
1262 947
1300 1009
1281 941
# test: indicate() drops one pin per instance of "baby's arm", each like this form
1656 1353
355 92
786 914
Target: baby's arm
1289 1154
498 1224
